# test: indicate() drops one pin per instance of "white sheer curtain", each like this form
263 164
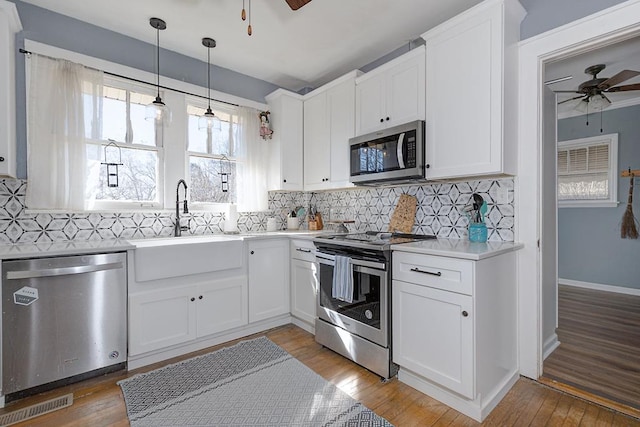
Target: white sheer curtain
64 102
252 163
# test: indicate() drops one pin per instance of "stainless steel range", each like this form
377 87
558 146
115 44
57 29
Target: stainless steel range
353 305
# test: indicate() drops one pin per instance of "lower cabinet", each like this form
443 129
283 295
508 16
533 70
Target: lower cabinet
179 314
433 336
268 278
455 328
304 283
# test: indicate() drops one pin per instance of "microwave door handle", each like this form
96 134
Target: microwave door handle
400 150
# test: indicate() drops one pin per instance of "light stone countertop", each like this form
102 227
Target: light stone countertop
458 248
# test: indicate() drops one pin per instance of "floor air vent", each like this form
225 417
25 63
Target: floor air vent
36 410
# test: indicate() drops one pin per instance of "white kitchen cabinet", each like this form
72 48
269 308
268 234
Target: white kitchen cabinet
285 157
304 282
454 328
329 122
268 278
179 314
432 337
471 87
9 26
392 94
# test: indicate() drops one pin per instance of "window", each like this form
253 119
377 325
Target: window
586 172
212 155
140 149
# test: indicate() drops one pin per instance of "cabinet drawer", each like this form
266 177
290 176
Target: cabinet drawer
303 250
448 274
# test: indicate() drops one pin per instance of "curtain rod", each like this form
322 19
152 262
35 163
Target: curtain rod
26 52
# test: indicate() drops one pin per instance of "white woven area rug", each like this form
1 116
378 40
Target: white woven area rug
253 383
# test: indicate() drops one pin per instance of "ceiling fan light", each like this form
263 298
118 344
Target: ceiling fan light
583 105
599 102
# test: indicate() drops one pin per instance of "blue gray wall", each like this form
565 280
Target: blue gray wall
589 245
544 15
58 30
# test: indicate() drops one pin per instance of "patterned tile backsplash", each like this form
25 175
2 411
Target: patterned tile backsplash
440 212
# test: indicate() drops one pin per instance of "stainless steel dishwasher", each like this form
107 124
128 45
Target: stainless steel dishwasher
63 318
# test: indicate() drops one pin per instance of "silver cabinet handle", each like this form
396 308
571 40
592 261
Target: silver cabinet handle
417 270
303 250
62 271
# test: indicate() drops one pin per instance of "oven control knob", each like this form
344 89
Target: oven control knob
368 314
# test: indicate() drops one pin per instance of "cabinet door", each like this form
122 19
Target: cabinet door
405 96
317 144
433 335
268 278
222 305
285 148
464 97
304 287
159 319
341 106
370 108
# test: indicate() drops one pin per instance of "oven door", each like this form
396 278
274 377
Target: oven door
367 315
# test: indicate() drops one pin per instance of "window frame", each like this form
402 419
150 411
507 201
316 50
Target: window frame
158 148
612 141
216 107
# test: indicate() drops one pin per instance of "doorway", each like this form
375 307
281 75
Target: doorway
598 278
605 28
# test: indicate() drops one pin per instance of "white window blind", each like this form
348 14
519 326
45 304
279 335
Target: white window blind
586 171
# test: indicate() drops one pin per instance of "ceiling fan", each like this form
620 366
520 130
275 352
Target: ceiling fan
593 92
296 4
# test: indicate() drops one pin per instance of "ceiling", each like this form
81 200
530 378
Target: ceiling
292 49
620 56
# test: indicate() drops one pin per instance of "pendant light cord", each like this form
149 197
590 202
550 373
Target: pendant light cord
209 76
158 60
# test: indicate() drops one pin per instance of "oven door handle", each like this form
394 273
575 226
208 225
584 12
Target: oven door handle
330 260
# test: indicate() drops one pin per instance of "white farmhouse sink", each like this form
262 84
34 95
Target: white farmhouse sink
166 257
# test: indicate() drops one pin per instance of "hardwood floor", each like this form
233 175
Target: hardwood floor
99 402
599 352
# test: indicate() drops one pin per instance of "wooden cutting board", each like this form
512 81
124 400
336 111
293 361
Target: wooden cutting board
404 216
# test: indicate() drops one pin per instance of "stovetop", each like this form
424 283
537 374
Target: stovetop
372 239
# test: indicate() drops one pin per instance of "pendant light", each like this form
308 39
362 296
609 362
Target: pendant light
157 110
209 120
243 15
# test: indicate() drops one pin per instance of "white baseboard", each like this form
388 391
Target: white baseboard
549 345
303 325
600 287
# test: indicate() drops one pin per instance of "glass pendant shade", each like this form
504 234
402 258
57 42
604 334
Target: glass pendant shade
158 111
208 121
583 105
599 102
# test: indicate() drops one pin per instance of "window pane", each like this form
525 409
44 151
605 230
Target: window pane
197 138
114 119
206 181
143 131
137 177
583 187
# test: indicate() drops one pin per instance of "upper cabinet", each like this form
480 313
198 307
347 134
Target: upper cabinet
392 94
285 160
329 122
471 103
9 26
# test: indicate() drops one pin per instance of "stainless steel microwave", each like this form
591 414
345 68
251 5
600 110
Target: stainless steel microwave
392 154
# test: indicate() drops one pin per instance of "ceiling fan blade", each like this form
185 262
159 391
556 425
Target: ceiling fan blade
567 91
296 4
570 99
624 88
618 78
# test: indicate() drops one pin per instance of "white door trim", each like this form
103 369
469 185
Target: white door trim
609 26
